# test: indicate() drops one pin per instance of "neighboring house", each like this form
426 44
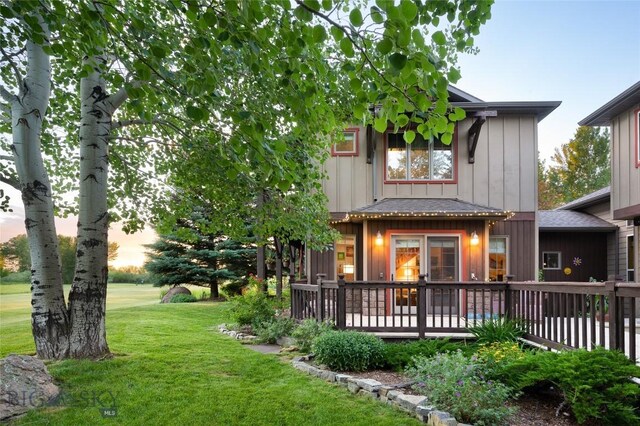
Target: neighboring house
583 237
455 212
622 115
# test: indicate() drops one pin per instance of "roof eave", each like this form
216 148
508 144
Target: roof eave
603 115
576 229
538 108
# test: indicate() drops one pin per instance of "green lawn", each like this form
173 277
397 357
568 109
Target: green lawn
173 367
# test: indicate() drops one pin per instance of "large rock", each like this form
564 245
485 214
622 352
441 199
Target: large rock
25 384
172 292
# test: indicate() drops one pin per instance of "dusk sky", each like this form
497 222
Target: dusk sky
582 53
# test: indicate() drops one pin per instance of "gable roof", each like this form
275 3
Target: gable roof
425 207
624 101
588 200
538 108
457 95
568 220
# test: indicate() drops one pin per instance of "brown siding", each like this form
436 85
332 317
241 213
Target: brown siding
472 257
522 255
324 262
590 247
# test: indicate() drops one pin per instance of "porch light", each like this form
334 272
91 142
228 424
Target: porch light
475 240
379 239
348 269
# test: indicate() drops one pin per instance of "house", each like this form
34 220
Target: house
580 241
459 212
622 115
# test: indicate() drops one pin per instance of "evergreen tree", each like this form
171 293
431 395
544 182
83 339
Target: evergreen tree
190 256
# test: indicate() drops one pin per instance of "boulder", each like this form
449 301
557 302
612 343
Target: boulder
25 384
172 292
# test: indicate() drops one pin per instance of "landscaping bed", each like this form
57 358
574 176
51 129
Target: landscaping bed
493 380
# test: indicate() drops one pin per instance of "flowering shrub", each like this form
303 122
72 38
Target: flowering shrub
308 331
455 383
349 350
500 352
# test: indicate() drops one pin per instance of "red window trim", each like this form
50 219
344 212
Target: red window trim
356 131
454 146
636 141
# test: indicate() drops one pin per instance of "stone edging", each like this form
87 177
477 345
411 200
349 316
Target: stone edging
413 404
236 335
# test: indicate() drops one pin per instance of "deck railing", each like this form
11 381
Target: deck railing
557 315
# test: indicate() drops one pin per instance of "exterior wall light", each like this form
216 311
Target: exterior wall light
475 240
379 239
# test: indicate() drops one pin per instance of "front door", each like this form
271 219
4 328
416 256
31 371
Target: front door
443 265
440 261
406 262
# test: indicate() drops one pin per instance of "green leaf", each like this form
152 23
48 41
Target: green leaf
398 61
337 33
409 136
439 38
355 17
158 51
380 124
319 34
195 113
327 4
376 15
453 75
384 46
418 38
404 37
402 120
302 14
409 9
347 47
446 138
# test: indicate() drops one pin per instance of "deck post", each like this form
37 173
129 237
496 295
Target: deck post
614 332
320 298
422 305
508 311
341 315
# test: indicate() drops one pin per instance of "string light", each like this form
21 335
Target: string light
439 213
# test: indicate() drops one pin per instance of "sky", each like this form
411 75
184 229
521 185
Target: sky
582 53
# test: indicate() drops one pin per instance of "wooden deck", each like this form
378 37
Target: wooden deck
556 315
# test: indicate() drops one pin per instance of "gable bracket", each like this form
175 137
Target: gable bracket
474 132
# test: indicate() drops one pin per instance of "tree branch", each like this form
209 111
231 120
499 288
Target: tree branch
357 47
7 157
7 95
14 67
120 96
11 181
124 123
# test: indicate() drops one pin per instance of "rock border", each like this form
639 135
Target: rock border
412 404
235 334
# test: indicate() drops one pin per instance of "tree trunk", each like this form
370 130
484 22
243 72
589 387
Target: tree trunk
87 299
49 318
214 289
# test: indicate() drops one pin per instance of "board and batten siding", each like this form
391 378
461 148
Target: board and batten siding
616 241
324 262
504 174
625 176
522 233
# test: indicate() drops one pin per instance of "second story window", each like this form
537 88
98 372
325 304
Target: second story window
637 141
348 145
421 160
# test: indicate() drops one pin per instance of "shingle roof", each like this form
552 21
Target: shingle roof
567 220
436 207
588 200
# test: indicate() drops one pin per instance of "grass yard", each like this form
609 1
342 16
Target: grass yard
173 367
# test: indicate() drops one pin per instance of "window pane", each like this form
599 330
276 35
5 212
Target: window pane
497 258
419 158
396 157
347 145
442 162
551 260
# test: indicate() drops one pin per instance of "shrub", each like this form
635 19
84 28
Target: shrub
163 292
17 277
454 382
397 356
309 330
498 330
349 350
252 309
270 332
183 298
596 385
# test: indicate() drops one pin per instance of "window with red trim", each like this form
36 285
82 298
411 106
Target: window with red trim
428 160
348 145
637 120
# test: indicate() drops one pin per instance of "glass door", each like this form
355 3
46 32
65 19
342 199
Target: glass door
406 265
443 265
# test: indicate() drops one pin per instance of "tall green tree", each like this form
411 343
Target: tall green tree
548 197
155 90
200 259
581 165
